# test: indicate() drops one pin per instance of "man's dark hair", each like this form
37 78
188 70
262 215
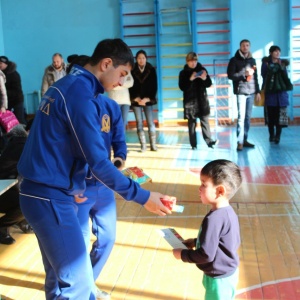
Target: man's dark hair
116 49
244 41
224 172
274 48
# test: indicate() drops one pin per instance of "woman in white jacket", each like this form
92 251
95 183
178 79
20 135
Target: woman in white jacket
3 94
121 95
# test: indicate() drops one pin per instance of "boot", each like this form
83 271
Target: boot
142 139
25 227
5 237
152 137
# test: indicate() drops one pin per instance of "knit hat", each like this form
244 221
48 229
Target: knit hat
4 59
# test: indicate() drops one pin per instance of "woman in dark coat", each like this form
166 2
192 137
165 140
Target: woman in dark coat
275 84
143 97
13 86
193 81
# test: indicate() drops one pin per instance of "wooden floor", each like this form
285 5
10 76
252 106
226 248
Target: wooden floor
141 266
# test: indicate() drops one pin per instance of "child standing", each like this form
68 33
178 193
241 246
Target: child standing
214 251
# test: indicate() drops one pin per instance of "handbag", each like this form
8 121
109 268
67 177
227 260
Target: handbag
260 102
8 120
283 117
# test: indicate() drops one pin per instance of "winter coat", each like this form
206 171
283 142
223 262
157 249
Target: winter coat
236 72
195 100
145 84
12 152
121 93
275 90
3 94
13 85
50 77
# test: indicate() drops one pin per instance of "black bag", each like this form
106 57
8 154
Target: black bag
283 117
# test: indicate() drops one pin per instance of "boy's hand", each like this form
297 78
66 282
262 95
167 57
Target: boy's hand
190 243
177 253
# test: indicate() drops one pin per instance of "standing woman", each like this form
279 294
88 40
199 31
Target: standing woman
13 86
193 81
275 84
143 97
3 94
121 95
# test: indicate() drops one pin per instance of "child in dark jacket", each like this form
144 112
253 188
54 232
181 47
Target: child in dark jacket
214 251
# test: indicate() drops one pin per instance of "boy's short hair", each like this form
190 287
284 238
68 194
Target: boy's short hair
225 172
191 56
115 49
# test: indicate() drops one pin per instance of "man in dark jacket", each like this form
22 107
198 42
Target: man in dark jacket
242 71
13 86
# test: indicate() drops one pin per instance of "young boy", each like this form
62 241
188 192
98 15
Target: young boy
214 251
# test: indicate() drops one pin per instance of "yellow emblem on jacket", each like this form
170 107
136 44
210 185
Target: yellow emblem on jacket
105 123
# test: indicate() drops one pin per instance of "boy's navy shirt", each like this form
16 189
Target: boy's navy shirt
217 244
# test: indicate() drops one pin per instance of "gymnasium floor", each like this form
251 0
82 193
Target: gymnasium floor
141 265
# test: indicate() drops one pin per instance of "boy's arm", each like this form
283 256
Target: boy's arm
209 242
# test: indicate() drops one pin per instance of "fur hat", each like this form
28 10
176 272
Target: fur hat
4 59
18 131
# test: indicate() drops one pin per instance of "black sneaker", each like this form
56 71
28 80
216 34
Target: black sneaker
211 144
248 145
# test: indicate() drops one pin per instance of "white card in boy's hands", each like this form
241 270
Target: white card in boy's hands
172 237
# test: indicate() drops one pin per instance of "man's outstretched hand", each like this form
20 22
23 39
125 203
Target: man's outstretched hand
155 206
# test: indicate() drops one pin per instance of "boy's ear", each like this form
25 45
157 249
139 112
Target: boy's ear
221 190
105 64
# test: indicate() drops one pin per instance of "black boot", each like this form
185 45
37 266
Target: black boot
152 137
278 134
25 227
5 237
142 139
272 138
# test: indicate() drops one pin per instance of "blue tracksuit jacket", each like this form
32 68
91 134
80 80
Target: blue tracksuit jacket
66 137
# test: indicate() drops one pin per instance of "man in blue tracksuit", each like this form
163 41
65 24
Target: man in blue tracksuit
66 138
100 205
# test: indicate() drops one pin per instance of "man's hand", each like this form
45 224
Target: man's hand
257 97
177 253
155 206
249 72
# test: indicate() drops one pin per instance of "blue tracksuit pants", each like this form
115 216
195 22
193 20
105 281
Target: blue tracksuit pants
53 218
101 208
